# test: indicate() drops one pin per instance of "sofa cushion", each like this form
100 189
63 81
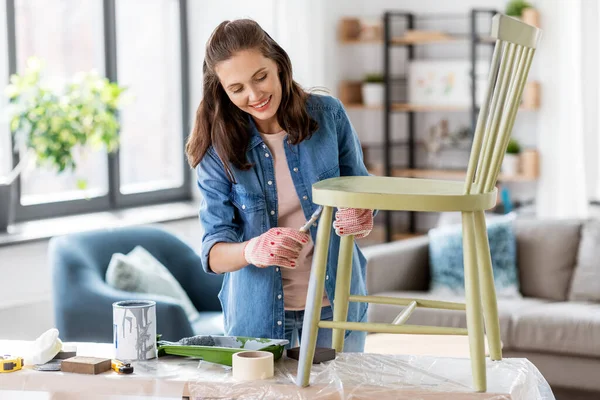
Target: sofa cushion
446 258
585 285
560 328
507 308
546 256
140 272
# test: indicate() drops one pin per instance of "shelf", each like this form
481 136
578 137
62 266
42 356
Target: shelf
452 174
402 41
406 107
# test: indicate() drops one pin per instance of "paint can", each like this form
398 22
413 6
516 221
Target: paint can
134 330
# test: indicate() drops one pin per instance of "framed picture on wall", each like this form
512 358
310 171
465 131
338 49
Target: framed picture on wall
445 82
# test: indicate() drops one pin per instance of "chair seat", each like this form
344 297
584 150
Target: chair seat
405 194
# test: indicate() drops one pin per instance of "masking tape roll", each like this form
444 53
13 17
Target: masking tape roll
253 365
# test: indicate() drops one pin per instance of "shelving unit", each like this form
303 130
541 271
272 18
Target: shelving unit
409 39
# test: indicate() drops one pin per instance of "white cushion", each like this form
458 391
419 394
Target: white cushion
139 271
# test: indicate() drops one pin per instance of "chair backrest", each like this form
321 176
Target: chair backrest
515 46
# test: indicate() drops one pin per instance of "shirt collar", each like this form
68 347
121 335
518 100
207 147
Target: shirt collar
255 138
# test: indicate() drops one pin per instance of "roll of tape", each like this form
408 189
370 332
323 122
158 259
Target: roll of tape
252 365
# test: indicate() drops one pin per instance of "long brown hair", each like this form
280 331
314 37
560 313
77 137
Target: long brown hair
221 123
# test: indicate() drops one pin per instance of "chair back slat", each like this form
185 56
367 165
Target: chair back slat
496 113
514 107
482 120
509 68
495 133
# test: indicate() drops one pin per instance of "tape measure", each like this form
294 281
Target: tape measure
11 364
121 367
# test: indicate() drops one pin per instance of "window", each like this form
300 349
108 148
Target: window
149 63
68 36
149 56
5 152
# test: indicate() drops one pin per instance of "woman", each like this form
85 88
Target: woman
258 144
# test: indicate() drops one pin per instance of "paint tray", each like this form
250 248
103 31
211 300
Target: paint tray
224 348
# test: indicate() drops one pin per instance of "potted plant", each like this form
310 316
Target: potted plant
524 11
52 124
373 89
510 164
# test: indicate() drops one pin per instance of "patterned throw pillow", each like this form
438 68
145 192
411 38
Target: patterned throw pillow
446 258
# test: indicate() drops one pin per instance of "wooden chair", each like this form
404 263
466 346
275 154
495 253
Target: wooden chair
515 46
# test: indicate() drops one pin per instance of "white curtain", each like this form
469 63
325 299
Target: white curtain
562 189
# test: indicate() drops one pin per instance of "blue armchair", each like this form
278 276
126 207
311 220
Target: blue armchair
83 300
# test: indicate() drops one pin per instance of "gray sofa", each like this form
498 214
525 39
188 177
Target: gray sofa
559 335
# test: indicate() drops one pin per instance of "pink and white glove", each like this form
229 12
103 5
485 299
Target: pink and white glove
353 221
277 246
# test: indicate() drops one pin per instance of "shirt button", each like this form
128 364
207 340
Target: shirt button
243 206
326 277
295 169
304 197
270 183
279 296
272 212
277 269
267 155
278 322
264 146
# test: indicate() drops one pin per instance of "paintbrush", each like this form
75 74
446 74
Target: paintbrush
312 220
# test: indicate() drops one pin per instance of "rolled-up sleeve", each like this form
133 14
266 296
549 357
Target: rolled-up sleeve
217 213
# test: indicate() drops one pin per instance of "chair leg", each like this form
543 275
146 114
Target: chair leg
473 303
314 299
342 290
488 290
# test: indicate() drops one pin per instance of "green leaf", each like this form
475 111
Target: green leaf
82 184
54 122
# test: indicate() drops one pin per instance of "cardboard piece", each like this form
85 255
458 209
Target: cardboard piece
85 365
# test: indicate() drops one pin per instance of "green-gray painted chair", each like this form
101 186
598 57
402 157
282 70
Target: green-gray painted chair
515 46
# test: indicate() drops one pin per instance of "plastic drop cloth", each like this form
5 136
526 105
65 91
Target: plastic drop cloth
157 378
377 376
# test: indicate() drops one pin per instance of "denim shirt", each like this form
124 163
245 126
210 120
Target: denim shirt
252 297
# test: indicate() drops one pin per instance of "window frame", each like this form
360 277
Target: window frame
114 200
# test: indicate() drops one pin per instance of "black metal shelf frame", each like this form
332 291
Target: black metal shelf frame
474 39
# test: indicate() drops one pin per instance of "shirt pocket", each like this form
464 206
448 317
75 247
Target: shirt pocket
251 211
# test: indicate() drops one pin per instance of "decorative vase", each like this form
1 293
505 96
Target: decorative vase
530 163
372 94
531 16
510 164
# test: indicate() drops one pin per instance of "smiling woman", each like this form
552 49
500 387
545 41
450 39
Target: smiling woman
243 68
258 145
259 94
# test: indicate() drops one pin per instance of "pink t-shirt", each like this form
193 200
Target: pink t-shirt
290 215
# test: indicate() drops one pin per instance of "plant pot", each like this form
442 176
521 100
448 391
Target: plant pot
7 205
510 164
372 94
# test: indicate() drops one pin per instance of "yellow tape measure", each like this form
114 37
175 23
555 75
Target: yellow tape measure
11 364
